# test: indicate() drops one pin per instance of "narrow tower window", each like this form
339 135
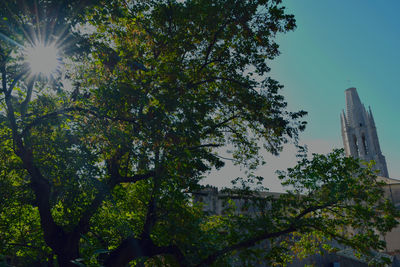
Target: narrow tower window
355 144
365 144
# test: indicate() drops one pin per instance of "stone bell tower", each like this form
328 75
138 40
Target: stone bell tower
360 138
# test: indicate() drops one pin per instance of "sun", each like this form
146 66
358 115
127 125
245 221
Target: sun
43 59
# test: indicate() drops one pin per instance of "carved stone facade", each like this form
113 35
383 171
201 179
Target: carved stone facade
360 138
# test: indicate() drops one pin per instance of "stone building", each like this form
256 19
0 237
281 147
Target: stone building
215 202
360 138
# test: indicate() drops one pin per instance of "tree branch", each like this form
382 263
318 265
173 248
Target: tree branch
215 78
244 244
115 178
204 145
24 105
135 178
311 209
219 124
14 82
133 248
63 112
83 225
252 241
212 43
152 206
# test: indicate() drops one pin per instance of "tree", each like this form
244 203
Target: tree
103 157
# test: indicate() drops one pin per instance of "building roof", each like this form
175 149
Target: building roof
388 180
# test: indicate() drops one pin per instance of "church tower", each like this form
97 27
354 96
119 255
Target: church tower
360 138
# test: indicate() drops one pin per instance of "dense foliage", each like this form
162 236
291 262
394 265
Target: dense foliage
98 161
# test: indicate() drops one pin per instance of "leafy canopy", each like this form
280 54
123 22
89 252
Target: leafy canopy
98 162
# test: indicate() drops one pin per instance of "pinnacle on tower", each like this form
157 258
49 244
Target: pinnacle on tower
360 138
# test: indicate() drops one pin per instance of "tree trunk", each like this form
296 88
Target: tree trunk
68 250
65 259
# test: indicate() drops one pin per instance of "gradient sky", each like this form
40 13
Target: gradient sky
337 44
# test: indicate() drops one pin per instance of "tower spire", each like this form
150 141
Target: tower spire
360 138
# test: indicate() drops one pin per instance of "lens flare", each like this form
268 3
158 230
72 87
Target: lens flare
42 59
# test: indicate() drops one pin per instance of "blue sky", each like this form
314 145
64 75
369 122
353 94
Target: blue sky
337 44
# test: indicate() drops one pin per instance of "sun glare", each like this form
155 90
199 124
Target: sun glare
42 59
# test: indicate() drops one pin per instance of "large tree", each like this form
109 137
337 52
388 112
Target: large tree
99 158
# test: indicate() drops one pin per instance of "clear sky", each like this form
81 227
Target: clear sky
337 44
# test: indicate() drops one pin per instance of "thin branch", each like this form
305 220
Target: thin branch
4 77
24 105
204 145
311 209
10 111
225 158
15 81
41 119
212 43
222 123
217 60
